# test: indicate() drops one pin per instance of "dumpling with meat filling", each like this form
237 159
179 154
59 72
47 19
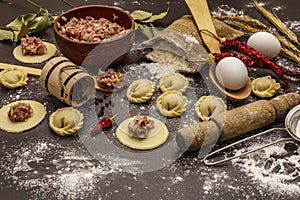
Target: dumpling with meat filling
13 78
66 121
174 81
171 104
140 91
265 86
208 106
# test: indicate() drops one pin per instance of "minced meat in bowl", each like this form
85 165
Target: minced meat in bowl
107 32
89 29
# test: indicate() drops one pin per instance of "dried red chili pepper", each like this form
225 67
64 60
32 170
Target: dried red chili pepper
249 62
103 124
243 48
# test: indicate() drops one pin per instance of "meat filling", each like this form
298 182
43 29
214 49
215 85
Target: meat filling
140 126
32 46
20 112
110 80
90 29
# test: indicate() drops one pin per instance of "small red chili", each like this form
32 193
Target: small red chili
243 48
103 124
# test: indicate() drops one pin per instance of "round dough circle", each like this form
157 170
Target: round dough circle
159 137
71 118
39 113
31 59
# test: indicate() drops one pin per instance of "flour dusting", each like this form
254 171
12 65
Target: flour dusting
48 169
274 168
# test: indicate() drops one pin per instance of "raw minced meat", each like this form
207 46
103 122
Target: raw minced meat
20 112
140 126
33 46
90 29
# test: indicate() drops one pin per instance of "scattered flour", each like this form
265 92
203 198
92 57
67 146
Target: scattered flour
274 168
51 170
48 169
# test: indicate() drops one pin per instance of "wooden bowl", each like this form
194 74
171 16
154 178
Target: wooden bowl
95 55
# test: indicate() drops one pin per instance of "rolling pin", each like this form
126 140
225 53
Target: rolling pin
235 122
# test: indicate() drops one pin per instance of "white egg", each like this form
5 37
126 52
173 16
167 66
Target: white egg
265 43
232 73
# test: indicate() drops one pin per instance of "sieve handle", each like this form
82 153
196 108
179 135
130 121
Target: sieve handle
206 158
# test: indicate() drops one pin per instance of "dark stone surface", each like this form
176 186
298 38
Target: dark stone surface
33 163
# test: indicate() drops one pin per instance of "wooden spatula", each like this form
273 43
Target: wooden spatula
202 17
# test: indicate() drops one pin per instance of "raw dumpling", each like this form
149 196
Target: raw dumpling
13 77
265 86
174 81
171 104
66 121
208 106
140 91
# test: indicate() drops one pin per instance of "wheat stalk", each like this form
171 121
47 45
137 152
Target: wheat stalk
244 19
276 22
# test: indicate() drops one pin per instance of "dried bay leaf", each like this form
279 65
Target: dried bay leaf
16 24
155 31
29 17
6 34
140 15
146 30
144 21
156 17
25 25
18 34
40 23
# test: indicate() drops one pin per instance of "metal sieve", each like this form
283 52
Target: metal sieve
291 123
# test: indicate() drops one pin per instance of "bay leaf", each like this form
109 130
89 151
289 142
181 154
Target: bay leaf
29 17
6 35
140 15
18 34
136 25
155 31
26 24
16 23
146 30
39 23
156 17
